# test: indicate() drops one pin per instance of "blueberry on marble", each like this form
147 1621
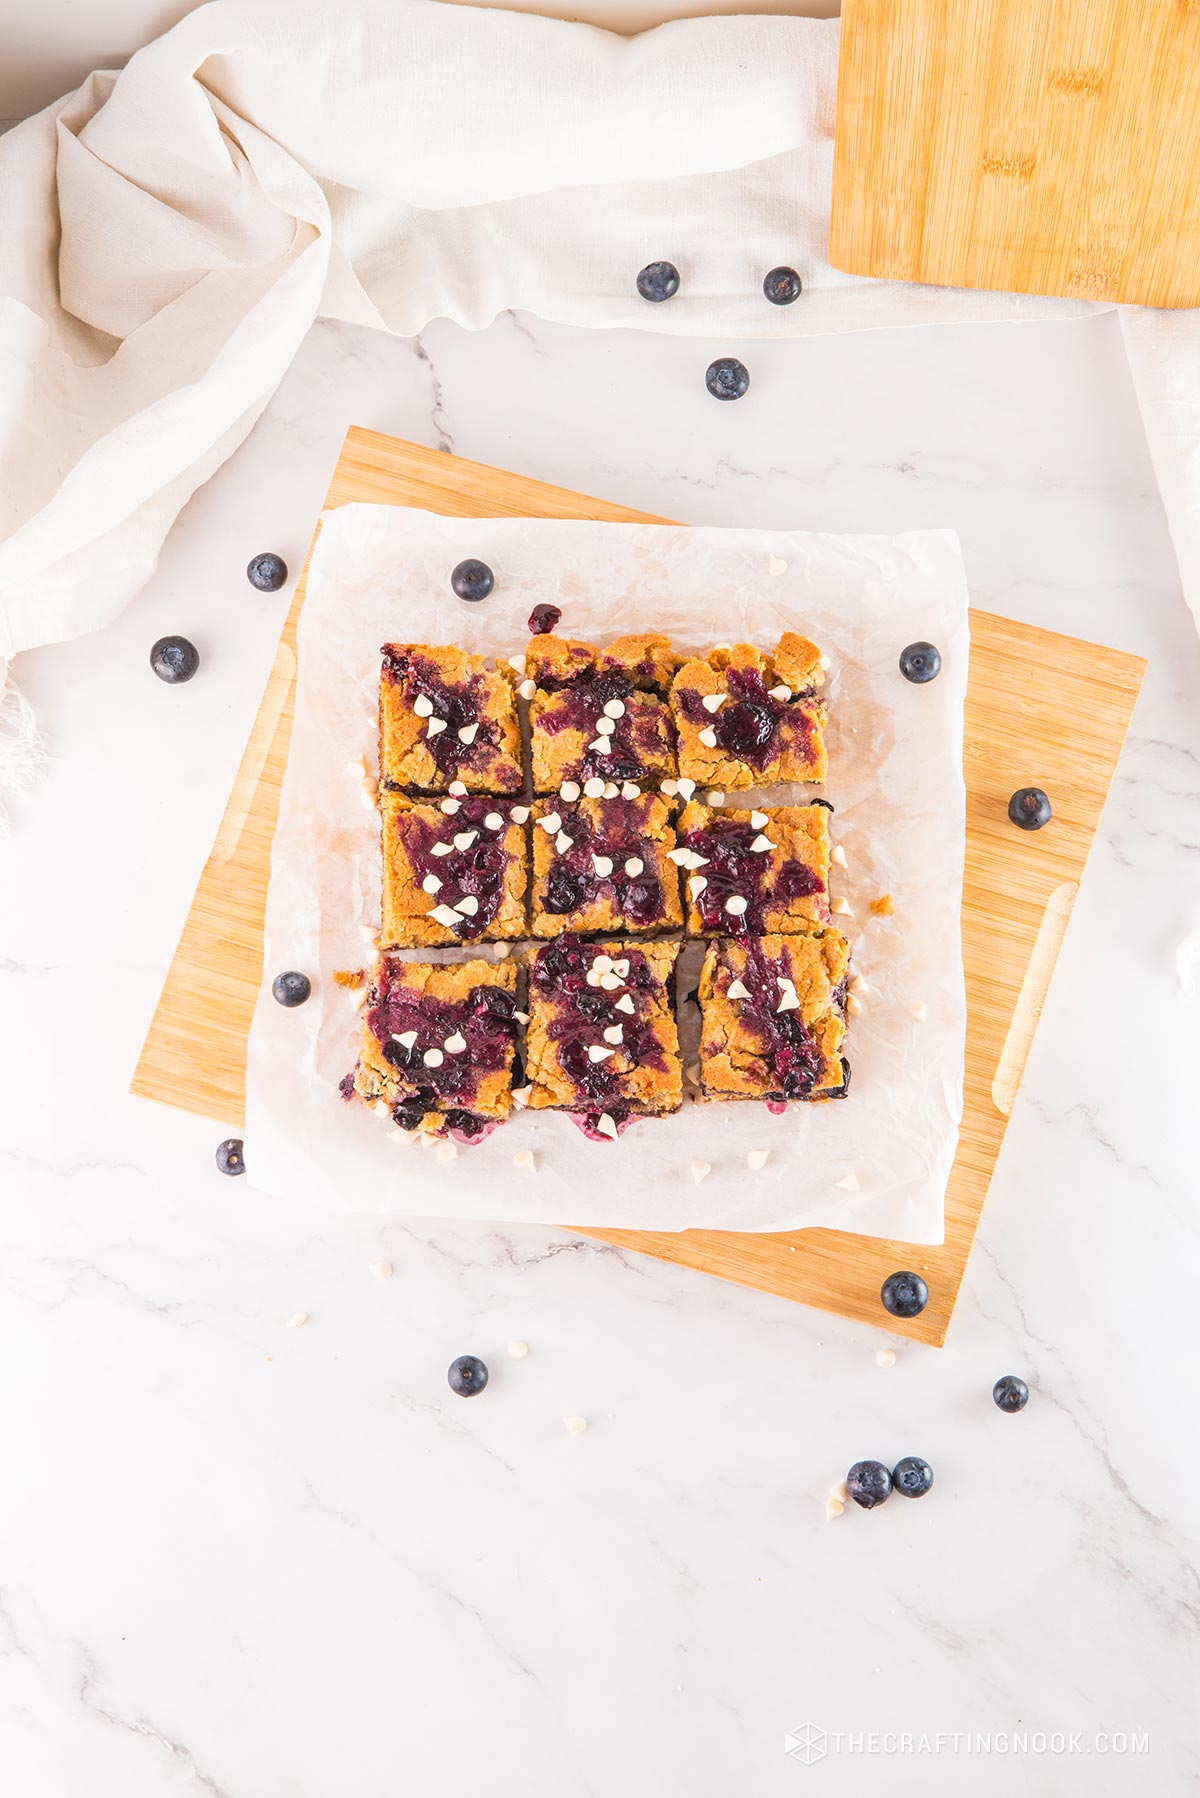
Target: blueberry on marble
472 580
1010 1393
904 1294
1029 808
868 1483
920 662
658 281
174 659
727 378
230 1158
291 988
543 619
468 1376
782 286
267 572
912 1476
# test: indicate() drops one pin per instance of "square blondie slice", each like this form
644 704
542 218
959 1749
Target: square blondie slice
454 870
602 1043
604 865
438 1044
755 873
445 717
747 719
598 717
773 1017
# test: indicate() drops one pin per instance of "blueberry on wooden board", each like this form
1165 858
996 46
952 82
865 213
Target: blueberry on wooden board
904 1294
1029 808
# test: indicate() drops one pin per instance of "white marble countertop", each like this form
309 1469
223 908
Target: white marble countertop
252 1562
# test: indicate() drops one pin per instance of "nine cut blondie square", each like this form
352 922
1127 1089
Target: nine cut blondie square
746 719
602 1043
454 870
604 865
438 1045
755 873
773 1017
598 717
445 717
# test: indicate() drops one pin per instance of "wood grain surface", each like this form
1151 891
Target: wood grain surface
1029 146
1041 709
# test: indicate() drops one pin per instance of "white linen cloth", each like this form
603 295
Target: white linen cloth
171 232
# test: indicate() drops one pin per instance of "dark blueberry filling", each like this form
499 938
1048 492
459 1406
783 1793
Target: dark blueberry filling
573 884
795 1061
582 1012
478 870
485 1020
346 1087
543 619
459 705
748 724
735 868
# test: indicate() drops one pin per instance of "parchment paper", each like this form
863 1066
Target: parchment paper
895 755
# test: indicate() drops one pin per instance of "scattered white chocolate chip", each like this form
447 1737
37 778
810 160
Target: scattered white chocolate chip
678 856
468 906
614 1034
381 1269
782 693
789 999
854 1005
446 1151
517 663
759 820
626 1004
594 788
614 708
433 1058
406 1039
442 848
456 1043
522 1017
839 1492
757 1158
605 727
843 908
670 788
849 1182
575 1426
527 689
859 985
570 791
404 1136
696 885
826 664
885 1358
762 844
611 789
468 734
610 982
494 821
630 790
550 823
359 998
423 706
458 788
736 906
685 788
431 884
833 1508
715 796
297 1320
919 1012
606 1127
526 1160
562 842
366 800
600 746
691 1073
621 966
708 738
634 866
602 865
368 933
450 806
700 1170
521 1096
359 767
519 814
465 838
435 726
776 565
712 702
597 1052
838 855
602 963
736 990
518 1350
501 951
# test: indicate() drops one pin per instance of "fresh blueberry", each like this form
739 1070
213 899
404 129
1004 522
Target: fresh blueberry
868 1483
543 619
174 659
267 573
658 281
904 1295
472 580
920 662
782 286
912 1476
467 1376
727 378
1010 1393
1029 808
291 988
230 1159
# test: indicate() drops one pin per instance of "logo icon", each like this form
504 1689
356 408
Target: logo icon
806 1744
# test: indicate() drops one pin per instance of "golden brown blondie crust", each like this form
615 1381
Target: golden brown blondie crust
440 1039
445 717
773 1017
744 718
755 873
603 865
648 660
454 870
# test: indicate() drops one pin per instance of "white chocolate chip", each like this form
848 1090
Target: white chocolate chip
630 790
606 1127
368 933
433 1058
600 746
527 689
838 854
522 1017
678 856
833 1508
714 796
611 789
519 814
670 788
602 963
686 787
436 726
843 908
610 982
458 788
450 806
423 706
708 738
456 1043
614 708
839 1492
736 906
570 791
521 1096
780 692
854 1005
406 1039
404 1136
562 842
468 733
696 885
381 1269
575 1426
446 1151
859 985
759 820
518 1350
735 990
431 884
700 1170
634 866
526 1160
712 702
366 800
468 906
762 844
695 861
465 838
358 767
626 1004
517 663
849 1182
597 1052
501 951
297 1320
550 823
494 821
605 727
757 1158
691 1073
919 1012
621 967
614 1034
602 865
442 848
776 565
826 664
789 1000
594 788
885 1358
359 999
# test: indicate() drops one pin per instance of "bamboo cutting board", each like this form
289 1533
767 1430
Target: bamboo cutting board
1030 146
1041 709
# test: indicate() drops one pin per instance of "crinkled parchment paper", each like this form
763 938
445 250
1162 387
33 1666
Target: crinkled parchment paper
895 756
